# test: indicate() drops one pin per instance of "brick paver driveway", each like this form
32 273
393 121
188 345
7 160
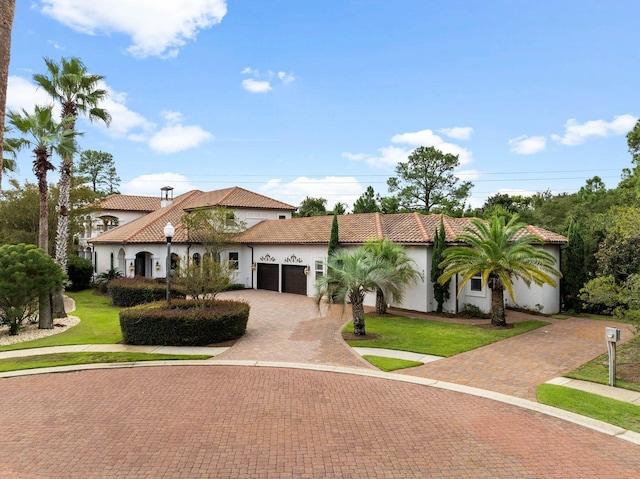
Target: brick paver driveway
266 422
249 422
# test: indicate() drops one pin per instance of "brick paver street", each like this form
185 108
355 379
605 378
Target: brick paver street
244 422
227 421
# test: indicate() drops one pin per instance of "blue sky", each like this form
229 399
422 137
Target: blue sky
291 98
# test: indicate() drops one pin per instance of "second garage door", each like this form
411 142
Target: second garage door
293 279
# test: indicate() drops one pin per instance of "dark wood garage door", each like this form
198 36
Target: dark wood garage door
293 279
268 276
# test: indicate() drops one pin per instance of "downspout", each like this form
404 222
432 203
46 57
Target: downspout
251 264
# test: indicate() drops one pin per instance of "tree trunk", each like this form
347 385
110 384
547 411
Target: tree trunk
62 232
357 313
381 304
43 225
497 307
7 12
45 318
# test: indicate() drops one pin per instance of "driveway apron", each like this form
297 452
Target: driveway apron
518 365
291 328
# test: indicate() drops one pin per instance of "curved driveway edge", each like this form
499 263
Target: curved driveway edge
593 424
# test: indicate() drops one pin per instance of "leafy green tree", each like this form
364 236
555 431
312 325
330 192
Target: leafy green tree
633 141
98 169
440 291
214 228
499 252
396 257
389 205
204 279
334 240
351 274
605 295
312 207
575 273
338 209
367 202
618 253
427 181
79 93
27 274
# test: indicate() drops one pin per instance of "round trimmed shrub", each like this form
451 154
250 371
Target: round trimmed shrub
184 322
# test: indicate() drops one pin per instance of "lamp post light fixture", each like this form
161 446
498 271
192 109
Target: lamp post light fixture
169 230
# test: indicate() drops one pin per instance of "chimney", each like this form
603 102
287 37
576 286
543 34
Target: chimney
166 196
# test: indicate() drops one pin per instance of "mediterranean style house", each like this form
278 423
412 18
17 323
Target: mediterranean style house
280 253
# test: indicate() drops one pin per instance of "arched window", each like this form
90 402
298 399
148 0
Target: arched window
196 259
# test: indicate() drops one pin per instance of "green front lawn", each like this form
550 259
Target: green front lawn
622 414
70 359
99 324
432 337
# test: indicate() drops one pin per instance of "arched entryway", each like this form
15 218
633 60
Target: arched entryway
143 264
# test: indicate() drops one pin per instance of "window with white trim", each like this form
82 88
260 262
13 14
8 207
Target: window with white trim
318 268
475 284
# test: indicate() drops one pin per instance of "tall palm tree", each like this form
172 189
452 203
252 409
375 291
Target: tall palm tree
45 136
7 11
351 275
499 252
397 257
78 92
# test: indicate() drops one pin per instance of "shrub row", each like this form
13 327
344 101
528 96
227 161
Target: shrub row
127 292
80 273
184 322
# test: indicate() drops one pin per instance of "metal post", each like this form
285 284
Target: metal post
169 270
612 335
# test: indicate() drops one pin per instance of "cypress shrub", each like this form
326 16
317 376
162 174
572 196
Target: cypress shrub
80 273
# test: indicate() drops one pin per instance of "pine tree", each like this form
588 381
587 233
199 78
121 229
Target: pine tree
440 291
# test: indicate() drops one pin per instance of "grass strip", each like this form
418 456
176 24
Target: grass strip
391 364
99 324
433 337
71 359
618 413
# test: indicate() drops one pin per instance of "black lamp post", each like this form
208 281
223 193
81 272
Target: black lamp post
169 230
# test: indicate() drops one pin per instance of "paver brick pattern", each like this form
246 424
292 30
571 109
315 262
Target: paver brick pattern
241 422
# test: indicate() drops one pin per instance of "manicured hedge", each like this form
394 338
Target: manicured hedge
127 292
184 322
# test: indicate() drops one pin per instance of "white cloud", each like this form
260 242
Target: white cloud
576 133
22 94
286 78
457 132
429 138
156 28
125 123
255 86
525 145
344 189
250 71
175 137
149 185
388 156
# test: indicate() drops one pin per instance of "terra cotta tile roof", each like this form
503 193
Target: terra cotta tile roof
236 197
127 203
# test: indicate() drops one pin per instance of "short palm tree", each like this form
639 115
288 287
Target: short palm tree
499 253
78 92
351 274
396 255
45 136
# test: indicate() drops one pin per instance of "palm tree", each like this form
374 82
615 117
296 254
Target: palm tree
351 275
7 11
499 253
397 257
47 137
78 92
